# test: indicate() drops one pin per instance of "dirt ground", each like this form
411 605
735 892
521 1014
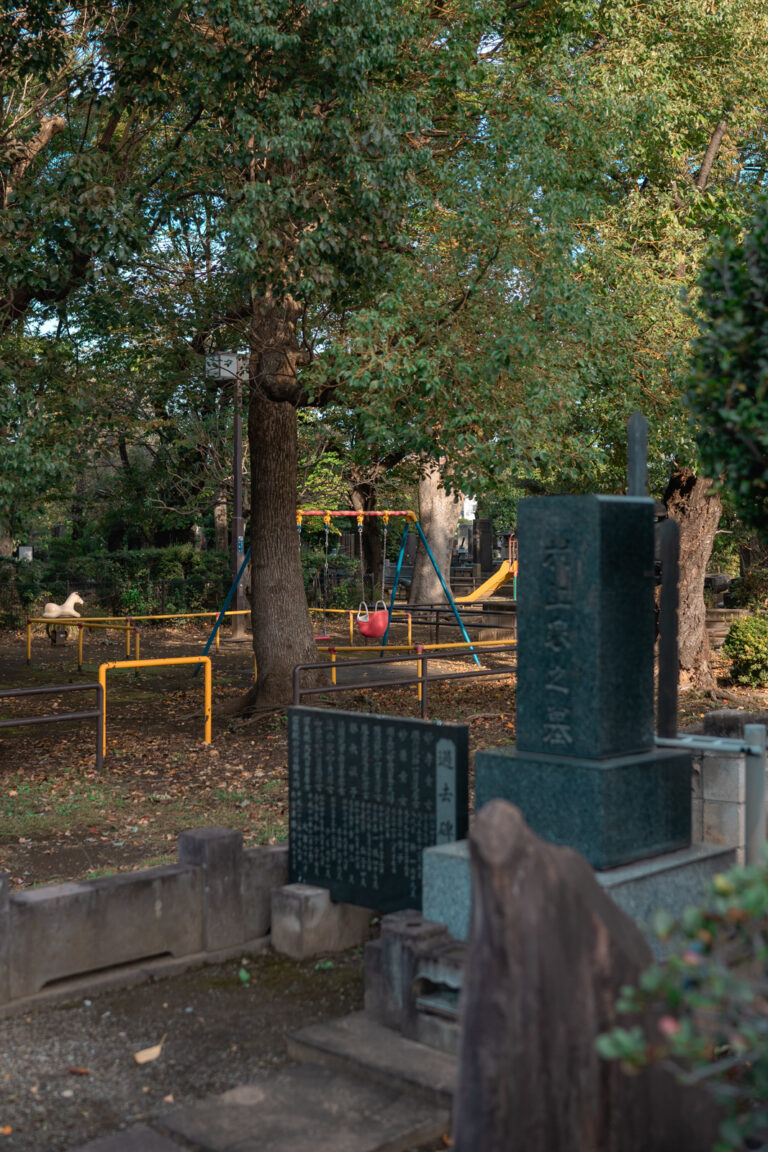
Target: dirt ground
67 1073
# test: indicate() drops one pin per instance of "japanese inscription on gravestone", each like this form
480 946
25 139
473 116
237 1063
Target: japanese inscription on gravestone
367 795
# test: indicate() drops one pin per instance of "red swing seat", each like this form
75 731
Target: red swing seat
373 624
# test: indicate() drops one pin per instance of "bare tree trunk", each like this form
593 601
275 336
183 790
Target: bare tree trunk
6 542
221 534
693 503
439 513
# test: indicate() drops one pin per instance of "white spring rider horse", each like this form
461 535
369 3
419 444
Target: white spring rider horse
59 611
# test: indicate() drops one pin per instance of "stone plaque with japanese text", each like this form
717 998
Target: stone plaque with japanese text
367 795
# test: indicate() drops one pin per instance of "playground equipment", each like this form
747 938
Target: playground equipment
397 618
67 609
374 624
500 577
204 660
82 623
506 571
371 623
380 627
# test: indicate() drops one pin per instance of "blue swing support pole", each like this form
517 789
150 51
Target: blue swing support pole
443 584
223 609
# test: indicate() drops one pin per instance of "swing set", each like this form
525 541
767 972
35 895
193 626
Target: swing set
372 623
375 623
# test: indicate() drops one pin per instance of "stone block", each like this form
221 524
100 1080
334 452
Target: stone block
724 778
306 922
613 811
5 935
697 821
724 822
447 891
364 1048
310 1109
264 869
585 626
405 937
72 929
673 882
219 852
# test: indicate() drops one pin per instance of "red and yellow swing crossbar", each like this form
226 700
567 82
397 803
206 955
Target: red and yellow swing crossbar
301 513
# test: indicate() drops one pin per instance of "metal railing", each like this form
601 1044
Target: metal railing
97 713
420 680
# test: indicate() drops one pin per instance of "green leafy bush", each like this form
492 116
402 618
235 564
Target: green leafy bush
705 1008
747 646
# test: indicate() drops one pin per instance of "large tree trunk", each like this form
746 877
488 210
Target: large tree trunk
439 513
282 630
6 542
692 501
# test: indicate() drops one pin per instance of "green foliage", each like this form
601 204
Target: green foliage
750 590
747 646
704 1009
729 367
343 589
174 580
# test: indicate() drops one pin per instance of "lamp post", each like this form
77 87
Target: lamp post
229 366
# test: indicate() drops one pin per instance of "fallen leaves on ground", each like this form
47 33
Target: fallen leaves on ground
147 1055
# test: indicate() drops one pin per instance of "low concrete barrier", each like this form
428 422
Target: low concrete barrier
216 900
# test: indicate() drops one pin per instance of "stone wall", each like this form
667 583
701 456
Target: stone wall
215 901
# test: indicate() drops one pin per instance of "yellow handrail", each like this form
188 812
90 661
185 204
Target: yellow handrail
80 623
81 626
459 644
204 660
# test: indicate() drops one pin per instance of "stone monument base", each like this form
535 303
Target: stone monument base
674 881
613 810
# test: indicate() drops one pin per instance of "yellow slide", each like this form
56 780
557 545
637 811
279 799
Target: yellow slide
500 576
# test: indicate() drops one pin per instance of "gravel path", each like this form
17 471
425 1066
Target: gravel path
68 1074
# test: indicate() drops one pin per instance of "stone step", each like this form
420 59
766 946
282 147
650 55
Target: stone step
310 1109
358 1044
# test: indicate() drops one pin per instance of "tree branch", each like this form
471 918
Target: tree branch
711 155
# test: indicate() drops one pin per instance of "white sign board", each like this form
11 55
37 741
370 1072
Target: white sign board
222 365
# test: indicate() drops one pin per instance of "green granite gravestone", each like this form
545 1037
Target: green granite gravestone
585 771
367 795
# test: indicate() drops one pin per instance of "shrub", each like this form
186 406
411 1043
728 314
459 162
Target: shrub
747 646
704 1008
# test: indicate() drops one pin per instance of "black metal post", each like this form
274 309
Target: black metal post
666 719
238 524
637 455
